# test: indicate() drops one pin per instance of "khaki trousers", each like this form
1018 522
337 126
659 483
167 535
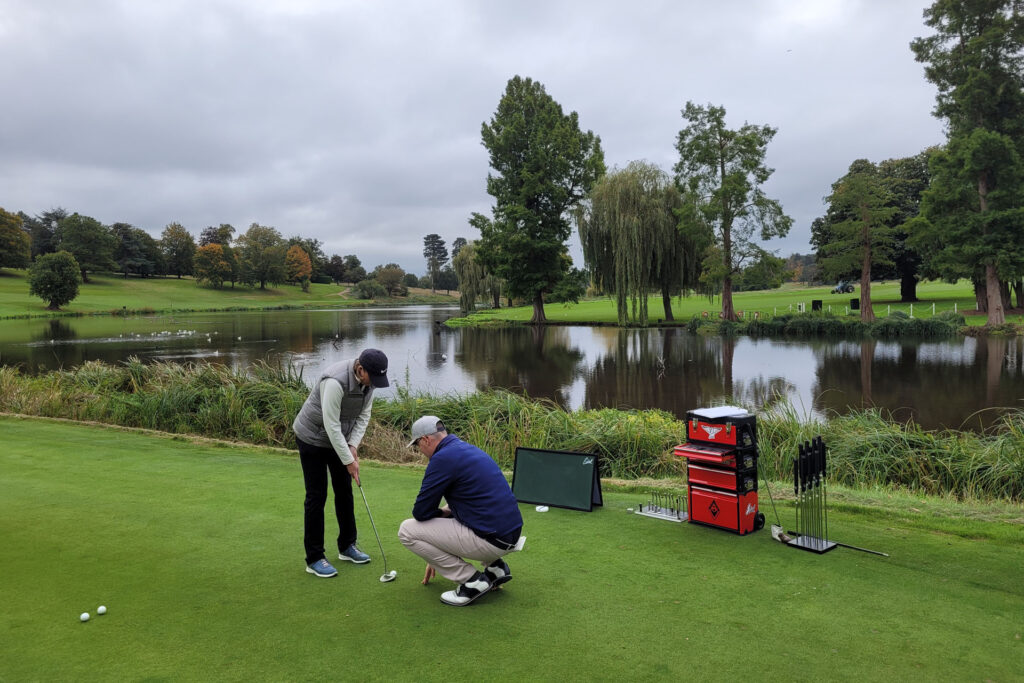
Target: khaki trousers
443 542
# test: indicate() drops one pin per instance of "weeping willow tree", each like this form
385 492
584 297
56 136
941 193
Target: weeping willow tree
471 274
475 282
631 242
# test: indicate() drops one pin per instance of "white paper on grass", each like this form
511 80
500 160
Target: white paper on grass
719 412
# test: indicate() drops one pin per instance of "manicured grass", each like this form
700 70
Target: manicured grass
111 293
196 551
885 300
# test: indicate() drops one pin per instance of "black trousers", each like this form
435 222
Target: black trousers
317 462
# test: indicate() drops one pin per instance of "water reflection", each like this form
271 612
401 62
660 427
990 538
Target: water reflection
935 383
540 361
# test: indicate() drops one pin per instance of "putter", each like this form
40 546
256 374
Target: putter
387 575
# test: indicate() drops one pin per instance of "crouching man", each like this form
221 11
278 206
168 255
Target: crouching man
481 520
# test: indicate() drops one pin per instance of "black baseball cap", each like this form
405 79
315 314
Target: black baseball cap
376 365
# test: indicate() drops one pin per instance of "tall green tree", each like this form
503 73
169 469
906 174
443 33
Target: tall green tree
335 269
631 243
354 271
973 217
722 171
55 278
221 234
261 253
89 241
42 229
179 249
865 236
542 166
133 250
15 243
436 253
905 179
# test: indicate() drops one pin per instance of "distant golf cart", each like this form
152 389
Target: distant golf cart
843 287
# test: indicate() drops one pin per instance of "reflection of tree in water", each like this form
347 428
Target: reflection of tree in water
55 329
896 377
672 370
536 359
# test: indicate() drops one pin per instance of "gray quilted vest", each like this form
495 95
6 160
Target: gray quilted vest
309 423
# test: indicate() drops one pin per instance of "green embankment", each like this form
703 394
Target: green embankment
885 301
196 551
107 293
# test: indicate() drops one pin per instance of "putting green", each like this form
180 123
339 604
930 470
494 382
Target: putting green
196 551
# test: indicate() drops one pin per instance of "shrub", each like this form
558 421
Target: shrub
368 289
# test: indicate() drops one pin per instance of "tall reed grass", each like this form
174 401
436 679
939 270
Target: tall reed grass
257 406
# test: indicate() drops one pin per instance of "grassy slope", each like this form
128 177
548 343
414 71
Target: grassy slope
885 298
107 293
195 549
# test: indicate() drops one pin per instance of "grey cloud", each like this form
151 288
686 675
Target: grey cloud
359 123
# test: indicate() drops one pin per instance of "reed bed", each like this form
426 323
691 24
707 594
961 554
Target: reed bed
866 449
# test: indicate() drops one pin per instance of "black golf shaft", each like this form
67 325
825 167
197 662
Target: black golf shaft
374 526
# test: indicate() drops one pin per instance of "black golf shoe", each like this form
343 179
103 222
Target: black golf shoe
498 572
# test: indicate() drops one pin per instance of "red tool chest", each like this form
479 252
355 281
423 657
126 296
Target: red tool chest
721 469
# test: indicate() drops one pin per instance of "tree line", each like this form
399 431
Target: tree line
953 211
61 249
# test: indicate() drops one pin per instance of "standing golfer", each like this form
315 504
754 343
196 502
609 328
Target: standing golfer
481 520
328 429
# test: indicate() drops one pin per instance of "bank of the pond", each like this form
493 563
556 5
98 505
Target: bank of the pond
107 294
941 311
866 448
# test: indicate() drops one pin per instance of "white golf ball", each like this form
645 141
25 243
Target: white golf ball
101 610
85 616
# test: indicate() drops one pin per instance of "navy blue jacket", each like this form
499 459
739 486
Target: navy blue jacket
475 489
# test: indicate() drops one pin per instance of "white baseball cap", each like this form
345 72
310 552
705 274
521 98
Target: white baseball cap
425 426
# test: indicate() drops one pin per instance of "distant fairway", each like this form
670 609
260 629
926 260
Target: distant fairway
885 299
196 551
106 293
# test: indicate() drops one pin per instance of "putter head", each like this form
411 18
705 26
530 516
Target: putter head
388 577
780 535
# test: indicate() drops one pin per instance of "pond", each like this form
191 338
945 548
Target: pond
951 383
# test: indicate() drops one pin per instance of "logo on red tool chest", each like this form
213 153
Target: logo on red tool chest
713 508
711 431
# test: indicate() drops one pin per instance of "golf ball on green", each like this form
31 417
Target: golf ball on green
85 616
101 610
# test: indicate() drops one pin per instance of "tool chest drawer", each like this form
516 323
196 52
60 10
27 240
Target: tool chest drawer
736 512
732 480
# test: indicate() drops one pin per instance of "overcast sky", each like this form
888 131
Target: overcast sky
358 123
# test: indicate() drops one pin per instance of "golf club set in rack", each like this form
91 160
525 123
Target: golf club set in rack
810 490
810 487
